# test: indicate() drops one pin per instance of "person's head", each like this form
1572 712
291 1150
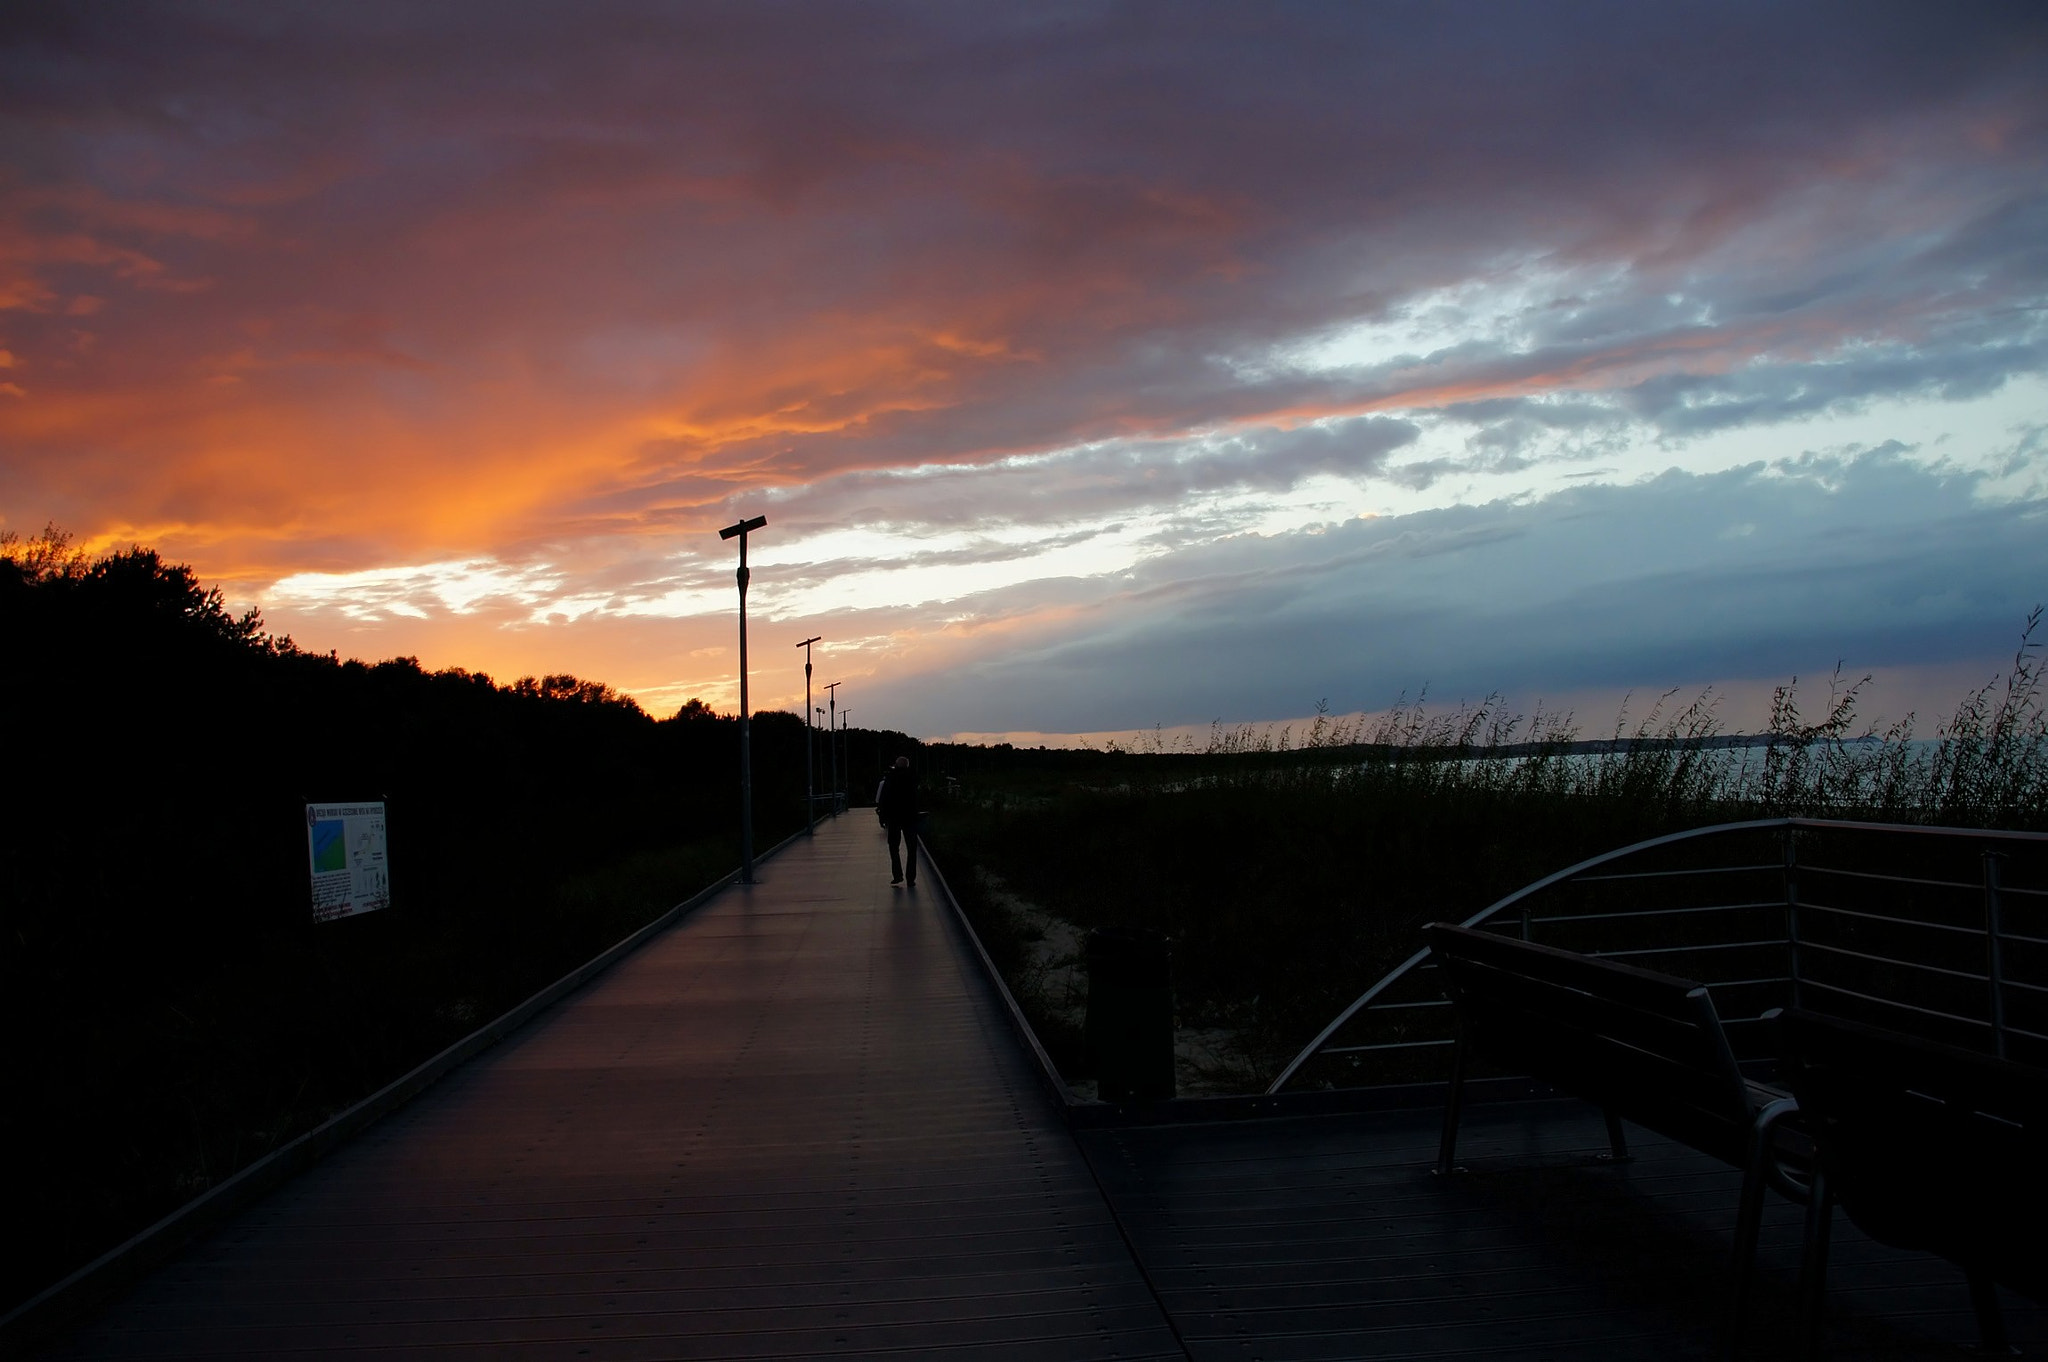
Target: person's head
903 763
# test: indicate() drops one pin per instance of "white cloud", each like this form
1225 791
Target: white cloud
417 591
1502 308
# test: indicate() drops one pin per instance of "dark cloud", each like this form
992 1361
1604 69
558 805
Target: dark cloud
1759 571
1681 405
894 233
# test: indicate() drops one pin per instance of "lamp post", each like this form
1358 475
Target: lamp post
742 530
832 743
845 722
810 767
820 712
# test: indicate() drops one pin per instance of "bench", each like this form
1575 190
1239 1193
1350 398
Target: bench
1640 1045
1924 1146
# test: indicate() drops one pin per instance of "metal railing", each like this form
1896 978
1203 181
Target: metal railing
1938 932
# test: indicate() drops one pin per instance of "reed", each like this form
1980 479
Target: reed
1291 868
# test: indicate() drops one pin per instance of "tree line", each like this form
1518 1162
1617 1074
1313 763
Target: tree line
173 1012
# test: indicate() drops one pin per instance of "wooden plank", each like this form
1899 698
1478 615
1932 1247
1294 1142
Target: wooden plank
1648 990
1330 1237
793 1125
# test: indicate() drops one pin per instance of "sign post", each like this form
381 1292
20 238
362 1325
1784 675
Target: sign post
351 867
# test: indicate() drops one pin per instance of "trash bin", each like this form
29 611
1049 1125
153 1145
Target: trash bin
1130 1014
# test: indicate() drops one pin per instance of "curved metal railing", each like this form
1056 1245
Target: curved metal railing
1941 932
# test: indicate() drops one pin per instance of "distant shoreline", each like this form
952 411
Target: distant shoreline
1602 746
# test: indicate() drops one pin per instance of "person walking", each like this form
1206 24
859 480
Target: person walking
896 803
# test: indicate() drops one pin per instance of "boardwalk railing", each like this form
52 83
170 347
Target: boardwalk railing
1938 932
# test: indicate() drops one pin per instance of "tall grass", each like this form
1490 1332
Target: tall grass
1292 868
1987 765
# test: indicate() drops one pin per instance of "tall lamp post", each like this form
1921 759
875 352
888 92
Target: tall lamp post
810 766
820 712
832 743
845 720
741 531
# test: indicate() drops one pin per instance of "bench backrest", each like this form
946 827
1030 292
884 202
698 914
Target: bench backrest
1928 1146
1644 1045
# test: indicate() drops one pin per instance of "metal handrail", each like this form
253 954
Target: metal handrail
1796 941
1666 912
1835 910
1921 965
1675 874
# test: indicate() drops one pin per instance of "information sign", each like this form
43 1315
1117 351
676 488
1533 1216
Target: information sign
351 873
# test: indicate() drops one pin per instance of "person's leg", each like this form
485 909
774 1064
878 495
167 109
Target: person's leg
895 859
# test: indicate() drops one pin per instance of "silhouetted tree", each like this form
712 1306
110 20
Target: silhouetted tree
171 1008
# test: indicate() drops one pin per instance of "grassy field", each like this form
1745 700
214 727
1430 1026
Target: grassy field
1290 871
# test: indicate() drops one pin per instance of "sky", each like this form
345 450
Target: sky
1099 368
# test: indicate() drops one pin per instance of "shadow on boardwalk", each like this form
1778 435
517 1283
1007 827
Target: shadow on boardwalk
1330 1237
796 1125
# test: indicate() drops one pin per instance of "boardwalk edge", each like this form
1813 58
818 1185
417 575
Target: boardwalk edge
50 1310
1082 1113
1048 1072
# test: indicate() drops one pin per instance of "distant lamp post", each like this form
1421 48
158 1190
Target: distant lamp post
741 531
845 721
832 744
810 766
820 712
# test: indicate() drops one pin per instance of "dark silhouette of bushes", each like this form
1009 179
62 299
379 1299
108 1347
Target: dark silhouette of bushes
172 1010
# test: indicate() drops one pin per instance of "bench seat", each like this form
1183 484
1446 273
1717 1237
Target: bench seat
1642 1046
1925 1146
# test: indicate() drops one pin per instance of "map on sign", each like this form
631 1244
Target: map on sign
351 873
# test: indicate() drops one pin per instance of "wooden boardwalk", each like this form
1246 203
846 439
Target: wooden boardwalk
1332 1237
796 1125
793 1126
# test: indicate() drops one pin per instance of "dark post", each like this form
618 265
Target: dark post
832 743
1792 910
820 712
1129 1024
742 530
810 767
1994 948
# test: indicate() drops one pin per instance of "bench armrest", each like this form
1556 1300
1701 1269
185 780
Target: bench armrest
1792 1181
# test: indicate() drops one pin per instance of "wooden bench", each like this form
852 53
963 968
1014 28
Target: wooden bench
1924 1146
1642 1046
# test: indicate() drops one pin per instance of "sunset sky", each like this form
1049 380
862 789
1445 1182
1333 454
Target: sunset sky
1096 367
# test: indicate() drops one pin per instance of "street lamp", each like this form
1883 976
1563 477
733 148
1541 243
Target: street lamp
832 744
846 721
820 712
742 530
810 789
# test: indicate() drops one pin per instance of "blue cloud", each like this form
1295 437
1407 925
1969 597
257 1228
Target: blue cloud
1685 578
